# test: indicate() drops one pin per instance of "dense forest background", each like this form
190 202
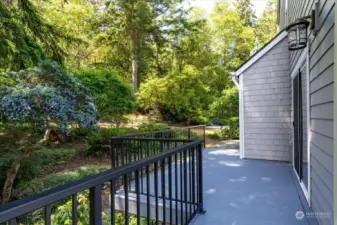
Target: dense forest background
66 65
178 59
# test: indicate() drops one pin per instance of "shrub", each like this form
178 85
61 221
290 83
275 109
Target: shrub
180 97
226 106
35 163
46 96
99 140
232 131
38 185
113 97
153 127
214 136
216 121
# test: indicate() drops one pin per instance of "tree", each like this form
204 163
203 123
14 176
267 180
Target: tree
266 27
44 98
246 11
232 38
26 37
144 24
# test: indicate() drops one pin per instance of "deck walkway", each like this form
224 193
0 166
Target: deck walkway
249 192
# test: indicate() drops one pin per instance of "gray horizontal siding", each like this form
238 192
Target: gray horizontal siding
267 103
321 101
321 109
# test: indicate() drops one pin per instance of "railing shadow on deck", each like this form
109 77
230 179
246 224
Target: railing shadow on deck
156 177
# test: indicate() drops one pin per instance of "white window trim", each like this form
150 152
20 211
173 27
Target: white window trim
304 57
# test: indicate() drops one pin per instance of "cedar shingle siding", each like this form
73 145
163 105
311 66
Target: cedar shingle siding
267 104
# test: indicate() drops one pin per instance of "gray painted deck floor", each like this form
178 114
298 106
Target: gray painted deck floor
249 192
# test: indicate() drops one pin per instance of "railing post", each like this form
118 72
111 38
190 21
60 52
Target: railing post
189 133
204 136
200 179
95 197
113 146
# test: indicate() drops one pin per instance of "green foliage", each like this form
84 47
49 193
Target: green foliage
26 38
226 106
153 127
98 139
179 97
266 28
46 96
113 97
36 163
37 185
215 136
63 214
232 131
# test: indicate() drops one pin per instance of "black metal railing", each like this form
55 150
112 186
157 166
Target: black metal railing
155 179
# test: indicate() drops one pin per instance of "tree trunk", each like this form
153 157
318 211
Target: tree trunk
10 177
135 63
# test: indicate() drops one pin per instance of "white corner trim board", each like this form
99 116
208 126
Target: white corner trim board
259 54
241 113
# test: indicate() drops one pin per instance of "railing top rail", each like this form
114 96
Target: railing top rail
32 203
154 139
144 133
191 127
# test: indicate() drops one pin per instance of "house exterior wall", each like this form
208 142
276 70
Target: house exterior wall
267 104
321 79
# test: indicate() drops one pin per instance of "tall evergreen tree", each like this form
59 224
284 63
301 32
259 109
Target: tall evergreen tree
246 11
266 27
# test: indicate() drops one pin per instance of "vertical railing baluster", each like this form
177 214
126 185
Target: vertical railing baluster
156 191
148 195
176 184
170 185
185 185
74 208
200 179
47 215
112 200
95 198
126 202
181 188
163 189
193 178
138 195
190 179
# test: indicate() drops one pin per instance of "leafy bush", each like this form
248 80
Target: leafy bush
99 140
232 131
215 136
226 106
216 121
113 97
57 179
46 96
181 97
36 163
153 127
63 213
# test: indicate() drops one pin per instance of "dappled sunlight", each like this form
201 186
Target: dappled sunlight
211 191
230 163
266 179
231 152
241 179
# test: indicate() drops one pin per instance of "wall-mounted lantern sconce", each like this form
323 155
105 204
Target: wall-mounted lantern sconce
297 34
